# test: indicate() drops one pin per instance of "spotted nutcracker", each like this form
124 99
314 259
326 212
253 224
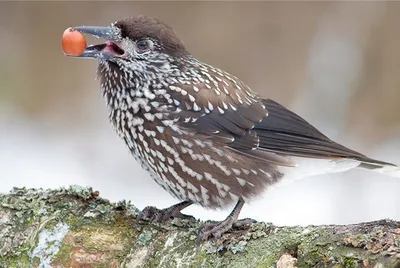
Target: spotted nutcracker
202 133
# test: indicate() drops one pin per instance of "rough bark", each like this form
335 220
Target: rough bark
74 227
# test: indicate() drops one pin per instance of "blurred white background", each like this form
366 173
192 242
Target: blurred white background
336 64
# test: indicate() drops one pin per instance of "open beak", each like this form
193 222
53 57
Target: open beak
106 51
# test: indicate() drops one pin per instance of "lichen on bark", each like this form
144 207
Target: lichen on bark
75 227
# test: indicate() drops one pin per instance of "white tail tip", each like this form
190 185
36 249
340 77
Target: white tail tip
393 171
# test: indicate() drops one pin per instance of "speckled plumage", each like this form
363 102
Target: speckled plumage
202 133
170 124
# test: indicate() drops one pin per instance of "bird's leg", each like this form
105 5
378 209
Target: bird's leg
217 229
159 215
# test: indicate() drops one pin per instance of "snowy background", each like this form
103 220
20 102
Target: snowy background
337 64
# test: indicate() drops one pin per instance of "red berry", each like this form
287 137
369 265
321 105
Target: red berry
73 42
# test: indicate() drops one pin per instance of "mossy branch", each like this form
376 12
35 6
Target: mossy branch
74 227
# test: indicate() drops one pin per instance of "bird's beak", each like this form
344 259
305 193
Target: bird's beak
109 50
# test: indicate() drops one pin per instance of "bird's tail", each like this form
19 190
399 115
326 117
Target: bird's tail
381 167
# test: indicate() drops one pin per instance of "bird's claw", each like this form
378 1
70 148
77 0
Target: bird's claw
154 214
217 229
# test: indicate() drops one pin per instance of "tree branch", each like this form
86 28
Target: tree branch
74 227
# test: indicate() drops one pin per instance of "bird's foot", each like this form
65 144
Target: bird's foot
217 229
154 214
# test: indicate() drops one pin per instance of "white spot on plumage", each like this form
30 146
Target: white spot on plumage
160 129
190 186
233 107
246 171
191 98
150 133
221 192
176 140
241 181
167 122
187 143
155 104
265 172
184 150
156 141
149 116
196 107
140 137
136 121
174 88
158 115
170 161
160 156
225 90
200 143
236 171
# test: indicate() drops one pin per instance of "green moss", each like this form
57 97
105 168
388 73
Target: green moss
18 256
63 256
269 261
349 262
36 262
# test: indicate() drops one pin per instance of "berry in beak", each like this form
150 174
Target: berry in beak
74 43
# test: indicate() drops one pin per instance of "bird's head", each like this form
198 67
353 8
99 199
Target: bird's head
136 49
133 39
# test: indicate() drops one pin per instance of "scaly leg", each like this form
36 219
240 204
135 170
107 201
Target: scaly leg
159 215
217 229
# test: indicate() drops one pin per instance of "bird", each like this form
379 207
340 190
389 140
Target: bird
200 132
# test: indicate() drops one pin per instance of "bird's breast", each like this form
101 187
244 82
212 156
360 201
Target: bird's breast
188 164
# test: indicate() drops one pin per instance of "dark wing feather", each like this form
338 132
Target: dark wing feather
224 109
225 123
281 132
282 120
286 133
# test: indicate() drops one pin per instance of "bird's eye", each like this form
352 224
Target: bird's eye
144 45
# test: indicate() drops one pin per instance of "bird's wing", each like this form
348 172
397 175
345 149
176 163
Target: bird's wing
287 133
224 109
